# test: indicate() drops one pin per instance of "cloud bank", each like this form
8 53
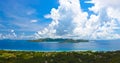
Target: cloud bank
13 35
69 21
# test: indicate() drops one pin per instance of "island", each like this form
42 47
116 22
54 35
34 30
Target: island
61 40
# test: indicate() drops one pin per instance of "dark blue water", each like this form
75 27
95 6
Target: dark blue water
99 45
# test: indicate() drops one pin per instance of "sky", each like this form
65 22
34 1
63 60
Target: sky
82 19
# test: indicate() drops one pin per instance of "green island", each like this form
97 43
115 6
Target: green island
62 40
59 57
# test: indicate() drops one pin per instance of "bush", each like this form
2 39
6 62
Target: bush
59 57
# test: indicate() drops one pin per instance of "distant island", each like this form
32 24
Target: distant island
58 40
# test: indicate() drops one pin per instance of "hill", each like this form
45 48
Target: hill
58 40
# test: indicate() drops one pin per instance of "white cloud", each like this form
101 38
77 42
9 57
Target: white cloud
108 13
10 35
88 2
113 13
13 35
34 21
69 21
12 30
99 4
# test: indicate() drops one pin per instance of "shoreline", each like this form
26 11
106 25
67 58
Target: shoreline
59 51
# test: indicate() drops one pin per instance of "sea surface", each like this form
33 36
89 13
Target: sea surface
24 45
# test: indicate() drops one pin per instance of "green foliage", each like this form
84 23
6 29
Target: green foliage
59 57
62 40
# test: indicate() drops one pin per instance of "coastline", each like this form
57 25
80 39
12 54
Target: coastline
59 51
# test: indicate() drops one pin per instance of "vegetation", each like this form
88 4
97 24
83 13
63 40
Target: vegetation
58 40
59 57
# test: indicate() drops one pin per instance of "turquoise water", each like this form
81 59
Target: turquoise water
98 45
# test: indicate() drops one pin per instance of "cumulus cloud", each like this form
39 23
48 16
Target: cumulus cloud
108 16
13 35
69 21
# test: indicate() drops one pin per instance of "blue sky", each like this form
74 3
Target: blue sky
17 15
28 16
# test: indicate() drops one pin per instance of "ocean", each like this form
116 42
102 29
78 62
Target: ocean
95 45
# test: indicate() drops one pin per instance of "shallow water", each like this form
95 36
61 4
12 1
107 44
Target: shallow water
99 45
